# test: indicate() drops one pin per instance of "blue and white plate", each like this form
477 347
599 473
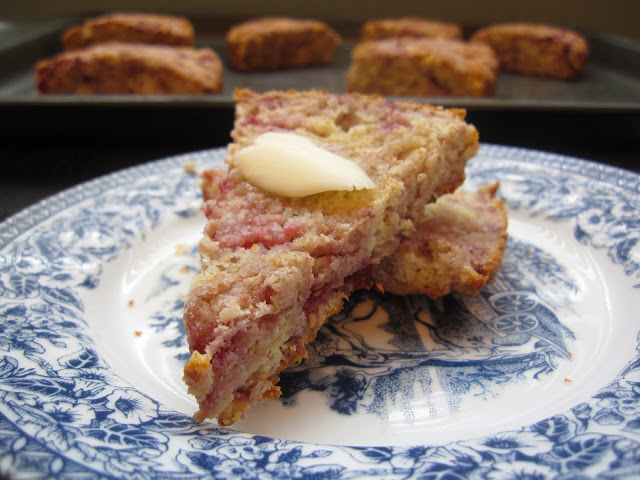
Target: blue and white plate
537 377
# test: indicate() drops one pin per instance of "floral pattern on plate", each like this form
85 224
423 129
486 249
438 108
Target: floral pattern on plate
65 413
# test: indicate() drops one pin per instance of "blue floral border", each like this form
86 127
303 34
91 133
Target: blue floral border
63 414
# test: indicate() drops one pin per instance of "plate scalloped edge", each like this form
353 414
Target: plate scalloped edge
63 413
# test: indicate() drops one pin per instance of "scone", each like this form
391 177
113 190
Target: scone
131 68
409 27
422 67
274 42
130 28
536 49
275 268
457 247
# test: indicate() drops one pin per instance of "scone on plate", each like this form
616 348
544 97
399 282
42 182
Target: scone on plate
536 49
121 68
279 42
457 247
422 67
409 27
130 28
275 267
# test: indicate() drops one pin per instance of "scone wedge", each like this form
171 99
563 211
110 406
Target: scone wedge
275 268
130 68
457 247
130 27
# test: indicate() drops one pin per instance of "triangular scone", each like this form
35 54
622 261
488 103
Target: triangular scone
275 268
457 247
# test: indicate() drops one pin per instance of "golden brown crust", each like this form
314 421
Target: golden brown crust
130 28
422 67
409 27
131 68
279 42
536 49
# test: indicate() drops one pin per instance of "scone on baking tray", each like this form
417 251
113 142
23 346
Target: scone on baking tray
121 68
422 67
130 28
275 267
536 49
457 247
409 27
272 43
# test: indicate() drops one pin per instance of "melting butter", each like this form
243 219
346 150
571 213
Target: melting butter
292 165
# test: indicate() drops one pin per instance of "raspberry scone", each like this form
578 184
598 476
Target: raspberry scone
536 49
409 27
457 247
271 43
122 68
422 67
275 268
130 27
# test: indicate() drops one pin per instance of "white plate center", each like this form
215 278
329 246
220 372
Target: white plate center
539 341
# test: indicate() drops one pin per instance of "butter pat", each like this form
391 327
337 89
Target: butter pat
292 165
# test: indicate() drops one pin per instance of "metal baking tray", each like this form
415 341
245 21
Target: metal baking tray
611 81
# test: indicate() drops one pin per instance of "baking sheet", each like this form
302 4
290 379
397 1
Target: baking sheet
611 81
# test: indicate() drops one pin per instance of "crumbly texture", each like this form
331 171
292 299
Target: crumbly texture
130 28
131 68
409 27
457 247
422 67
274 269
536 49
272 43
